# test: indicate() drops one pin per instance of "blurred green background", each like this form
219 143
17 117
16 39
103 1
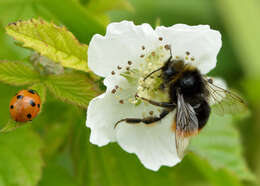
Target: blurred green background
54 149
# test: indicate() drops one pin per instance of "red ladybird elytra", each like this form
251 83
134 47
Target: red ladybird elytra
25 105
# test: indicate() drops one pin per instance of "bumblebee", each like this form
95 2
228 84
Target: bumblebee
190 94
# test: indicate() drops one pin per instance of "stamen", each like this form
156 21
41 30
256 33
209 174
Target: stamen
140 88
143 47
119 68
116 86
121 101
160 38
192 59
151 113
113 91
113 73
187 53
150 87
167 47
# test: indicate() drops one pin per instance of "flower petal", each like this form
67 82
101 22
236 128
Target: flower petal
99 120
122 43
105 110
154 144
201 42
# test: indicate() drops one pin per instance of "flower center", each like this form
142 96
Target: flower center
149 87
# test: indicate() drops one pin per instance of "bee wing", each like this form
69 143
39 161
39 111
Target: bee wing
186 125
181 144
225 101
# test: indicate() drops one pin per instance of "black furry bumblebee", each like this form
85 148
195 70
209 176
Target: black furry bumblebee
189 94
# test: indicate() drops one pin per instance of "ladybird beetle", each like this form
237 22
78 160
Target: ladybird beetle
25 105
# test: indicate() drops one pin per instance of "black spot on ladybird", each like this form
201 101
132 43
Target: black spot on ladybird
19 97
29 116
38 105
11 107
32 103
31 91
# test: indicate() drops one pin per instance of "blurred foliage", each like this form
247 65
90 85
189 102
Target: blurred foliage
21 160
219 144
54 148
99 8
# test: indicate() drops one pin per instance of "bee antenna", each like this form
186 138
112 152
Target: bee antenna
170 48
152 73
119 122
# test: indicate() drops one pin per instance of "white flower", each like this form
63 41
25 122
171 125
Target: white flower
124 56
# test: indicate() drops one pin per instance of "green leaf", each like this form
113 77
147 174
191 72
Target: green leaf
11 126
54 42
56 175
17 73
74 88
20 156
55 123
56 134
220 177
219 144
56 126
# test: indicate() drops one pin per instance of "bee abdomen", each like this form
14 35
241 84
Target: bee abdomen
202 112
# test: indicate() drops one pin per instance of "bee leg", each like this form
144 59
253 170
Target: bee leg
147 120
159 104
